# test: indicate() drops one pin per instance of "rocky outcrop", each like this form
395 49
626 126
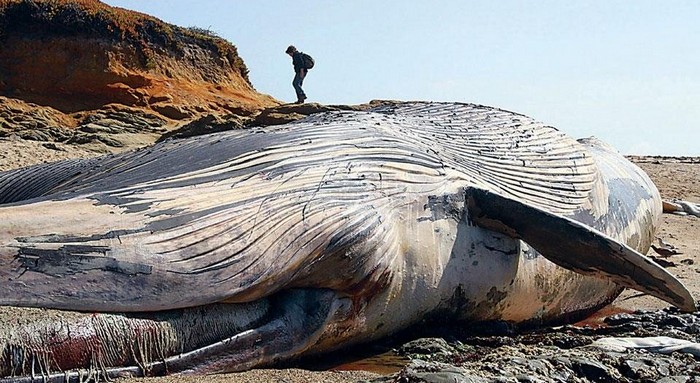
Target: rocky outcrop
277 115
291 112
108 129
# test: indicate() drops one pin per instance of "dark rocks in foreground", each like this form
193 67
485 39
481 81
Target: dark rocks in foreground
560 354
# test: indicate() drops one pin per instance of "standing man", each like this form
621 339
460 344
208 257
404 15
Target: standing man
300 72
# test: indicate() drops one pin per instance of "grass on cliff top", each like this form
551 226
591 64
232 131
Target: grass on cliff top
92 18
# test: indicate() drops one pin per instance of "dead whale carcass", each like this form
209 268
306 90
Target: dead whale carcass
240 249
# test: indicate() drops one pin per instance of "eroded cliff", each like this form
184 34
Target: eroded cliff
70 69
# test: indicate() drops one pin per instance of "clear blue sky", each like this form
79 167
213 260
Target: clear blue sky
627 72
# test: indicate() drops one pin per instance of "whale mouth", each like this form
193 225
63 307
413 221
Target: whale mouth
208 339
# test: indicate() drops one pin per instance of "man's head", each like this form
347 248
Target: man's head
291 49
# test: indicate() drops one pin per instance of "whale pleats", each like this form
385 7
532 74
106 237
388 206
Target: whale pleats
243 214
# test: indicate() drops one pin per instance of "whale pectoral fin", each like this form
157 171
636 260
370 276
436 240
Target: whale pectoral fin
575 246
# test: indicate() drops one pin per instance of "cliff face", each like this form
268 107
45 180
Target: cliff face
78 77
73 59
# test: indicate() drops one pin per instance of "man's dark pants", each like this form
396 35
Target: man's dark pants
297 83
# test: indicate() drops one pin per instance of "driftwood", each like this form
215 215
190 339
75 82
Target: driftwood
679 207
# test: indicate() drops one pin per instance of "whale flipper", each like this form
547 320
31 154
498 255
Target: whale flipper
576 246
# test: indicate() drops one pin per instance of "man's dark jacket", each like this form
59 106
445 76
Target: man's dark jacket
297 61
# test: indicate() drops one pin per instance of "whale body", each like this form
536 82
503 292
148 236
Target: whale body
244 248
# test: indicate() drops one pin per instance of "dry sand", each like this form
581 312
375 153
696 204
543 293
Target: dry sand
676 178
